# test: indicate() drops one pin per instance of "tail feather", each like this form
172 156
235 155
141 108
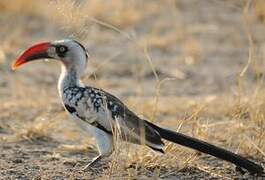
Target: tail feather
208 149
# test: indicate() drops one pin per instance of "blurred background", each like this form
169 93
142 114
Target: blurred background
193 66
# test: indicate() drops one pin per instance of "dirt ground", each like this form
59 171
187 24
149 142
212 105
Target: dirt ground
189 65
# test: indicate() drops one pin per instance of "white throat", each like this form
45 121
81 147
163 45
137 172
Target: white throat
69 77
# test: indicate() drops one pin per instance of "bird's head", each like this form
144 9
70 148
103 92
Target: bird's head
70 52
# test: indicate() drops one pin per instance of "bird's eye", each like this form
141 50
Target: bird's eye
61 50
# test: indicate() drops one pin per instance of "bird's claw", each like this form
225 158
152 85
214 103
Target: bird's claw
90 165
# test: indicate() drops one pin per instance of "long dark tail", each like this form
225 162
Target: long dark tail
208 149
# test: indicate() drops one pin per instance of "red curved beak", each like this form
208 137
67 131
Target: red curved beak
38 51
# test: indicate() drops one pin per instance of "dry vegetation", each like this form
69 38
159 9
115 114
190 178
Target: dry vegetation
194 66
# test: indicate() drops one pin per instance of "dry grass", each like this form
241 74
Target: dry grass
167 60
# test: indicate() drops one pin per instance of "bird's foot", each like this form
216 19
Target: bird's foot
90 165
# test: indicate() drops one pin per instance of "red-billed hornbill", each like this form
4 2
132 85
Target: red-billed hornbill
99 112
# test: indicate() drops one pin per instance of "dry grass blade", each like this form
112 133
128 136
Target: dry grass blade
256 146
150 62
158 88
213 173
102 23
251 52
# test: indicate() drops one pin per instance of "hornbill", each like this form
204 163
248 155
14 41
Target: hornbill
100 113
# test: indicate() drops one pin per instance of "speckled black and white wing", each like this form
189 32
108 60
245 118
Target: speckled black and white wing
105 111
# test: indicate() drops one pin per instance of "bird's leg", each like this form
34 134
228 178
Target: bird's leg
105 146
94 160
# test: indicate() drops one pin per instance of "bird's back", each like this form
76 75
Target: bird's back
106 112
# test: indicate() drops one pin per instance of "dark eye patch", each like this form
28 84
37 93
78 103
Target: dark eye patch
61 50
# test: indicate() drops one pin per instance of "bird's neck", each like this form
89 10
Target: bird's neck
68 78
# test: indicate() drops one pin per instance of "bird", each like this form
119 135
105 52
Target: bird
102 114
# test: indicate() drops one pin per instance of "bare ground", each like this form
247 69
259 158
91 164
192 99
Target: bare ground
198 50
